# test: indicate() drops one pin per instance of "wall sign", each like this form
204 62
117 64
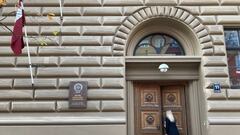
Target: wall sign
217 88
78 95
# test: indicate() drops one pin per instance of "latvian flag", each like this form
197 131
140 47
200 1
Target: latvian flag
17 43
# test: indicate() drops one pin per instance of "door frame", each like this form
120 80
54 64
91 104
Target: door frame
194 107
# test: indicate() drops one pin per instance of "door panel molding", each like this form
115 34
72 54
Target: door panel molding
192 90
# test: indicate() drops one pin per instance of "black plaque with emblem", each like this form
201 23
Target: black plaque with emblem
78 95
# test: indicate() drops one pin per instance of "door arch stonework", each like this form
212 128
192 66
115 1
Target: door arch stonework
130 23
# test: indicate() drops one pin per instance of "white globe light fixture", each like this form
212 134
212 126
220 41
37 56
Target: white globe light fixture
163 67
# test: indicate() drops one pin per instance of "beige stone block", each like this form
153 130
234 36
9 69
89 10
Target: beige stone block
121 35
216 71
118 47
6 83
194 10
219 10
81 40
82 3
210 95
202 33
92 106
178 13
199 28
205 39
5 32
66 11
224 129
123 2
119 41
97 50
138 17
66 30
38 83
106 94
207 52
80 61
118 53
215 29
7 61
33 11
220 50
160 3
214 61
194 23
102 11
208 19
124 29
74 128
33 106
48 40
115 106
224 81
102 72
154 11
207 45
5 40
7 51
107 40
4 106
81 20
113 20
218 39
113 61
233 94
99 30
39 61
51 94
16 94
128 24
148 12
58 72
129 10
42 20
189 19
92 82
32 31
230 2
196 2
223 106
113 82
133 20
228 19
9 20
58 51
184 15
15 72
41 3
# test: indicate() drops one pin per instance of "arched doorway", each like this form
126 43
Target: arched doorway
181 82
153 99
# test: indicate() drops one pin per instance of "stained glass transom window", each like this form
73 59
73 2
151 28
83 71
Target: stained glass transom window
158 44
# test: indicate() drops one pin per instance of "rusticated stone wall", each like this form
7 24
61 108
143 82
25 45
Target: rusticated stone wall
85 51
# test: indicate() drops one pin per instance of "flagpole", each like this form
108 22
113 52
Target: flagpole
29 57
28 52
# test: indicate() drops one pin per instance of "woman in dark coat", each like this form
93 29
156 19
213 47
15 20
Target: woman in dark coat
171 128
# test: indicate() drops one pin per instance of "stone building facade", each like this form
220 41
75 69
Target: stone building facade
97 44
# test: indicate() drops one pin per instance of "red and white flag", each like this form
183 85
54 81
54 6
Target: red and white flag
17 43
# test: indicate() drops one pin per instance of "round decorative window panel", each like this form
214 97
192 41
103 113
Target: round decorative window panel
158 44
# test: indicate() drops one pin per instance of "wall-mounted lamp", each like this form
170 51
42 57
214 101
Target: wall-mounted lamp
163 67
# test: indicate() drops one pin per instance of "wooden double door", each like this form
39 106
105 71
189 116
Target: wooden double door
152 100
